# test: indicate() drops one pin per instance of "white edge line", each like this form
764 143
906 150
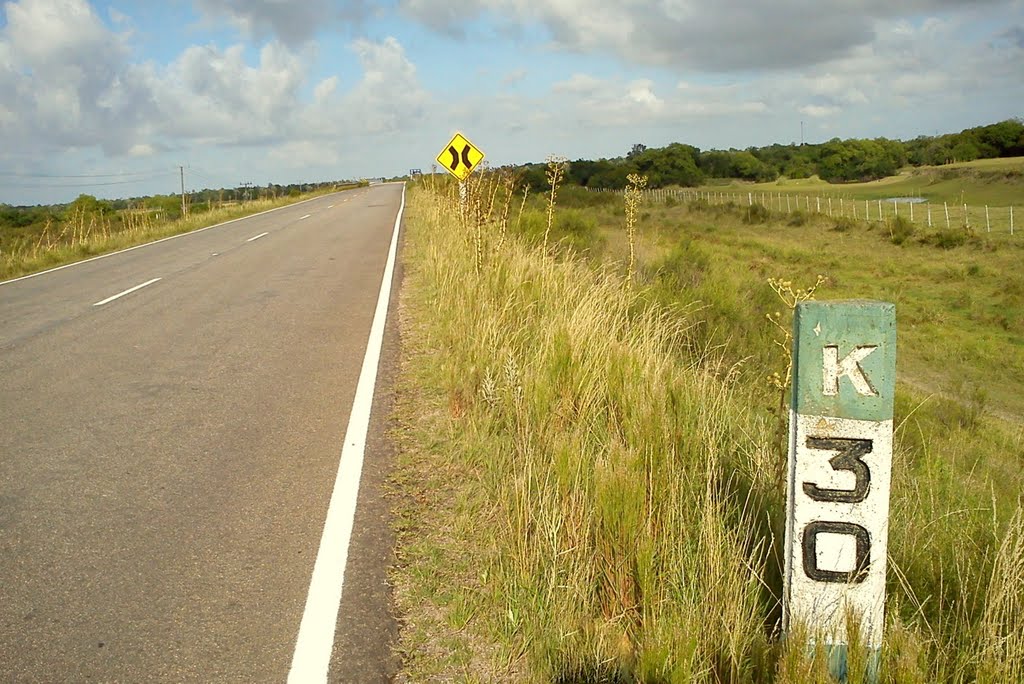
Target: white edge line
128 291
257 237
154 242
315 641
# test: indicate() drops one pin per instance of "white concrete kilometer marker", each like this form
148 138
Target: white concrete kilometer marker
315 641
305 217
128 291
840 467
257 237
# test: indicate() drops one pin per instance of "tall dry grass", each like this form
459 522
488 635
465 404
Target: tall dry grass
618 490
82 234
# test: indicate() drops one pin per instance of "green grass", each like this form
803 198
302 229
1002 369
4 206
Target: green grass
81 237
961 311
591 482
959 294
995 182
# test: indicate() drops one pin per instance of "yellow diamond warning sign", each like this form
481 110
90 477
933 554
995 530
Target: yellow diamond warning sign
460 157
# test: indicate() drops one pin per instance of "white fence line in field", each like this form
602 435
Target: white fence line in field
983 218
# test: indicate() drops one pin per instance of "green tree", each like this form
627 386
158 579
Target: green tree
965 150
89 205
675 164
749 167
717 164
636 150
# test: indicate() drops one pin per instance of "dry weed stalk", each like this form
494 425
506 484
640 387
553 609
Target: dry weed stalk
496 178
555 173
476 193
44 234
510 188
522 205
633 197
790 297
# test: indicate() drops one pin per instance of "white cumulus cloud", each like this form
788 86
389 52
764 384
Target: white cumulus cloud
819 111
732 35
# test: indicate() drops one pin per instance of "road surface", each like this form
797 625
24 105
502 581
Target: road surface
171 423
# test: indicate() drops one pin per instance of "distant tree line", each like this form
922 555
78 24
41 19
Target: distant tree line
835 161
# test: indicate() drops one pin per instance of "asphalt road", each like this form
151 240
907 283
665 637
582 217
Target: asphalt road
167 457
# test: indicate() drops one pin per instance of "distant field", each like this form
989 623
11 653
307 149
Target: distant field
961 309
995 182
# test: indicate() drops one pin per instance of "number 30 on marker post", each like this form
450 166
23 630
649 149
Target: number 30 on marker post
840 466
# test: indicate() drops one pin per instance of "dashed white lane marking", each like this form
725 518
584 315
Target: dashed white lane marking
330 206
312 656
257 237
128 291
305 217
154 242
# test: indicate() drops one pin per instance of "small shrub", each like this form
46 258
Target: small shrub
577 229
671 201
756 213
964 410
531 225
843 224
947 238
974 270
900 230
798 218
683 267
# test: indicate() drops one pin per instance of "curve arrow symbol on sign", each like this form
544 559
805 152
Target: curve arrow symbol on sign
455 157
459 157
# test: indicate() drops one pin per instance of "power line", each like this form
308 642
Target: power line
86 185
192 170
122 174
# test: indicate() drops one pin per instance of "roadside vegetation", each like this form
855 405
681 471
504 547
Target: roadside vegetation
835 161
40 237
593 439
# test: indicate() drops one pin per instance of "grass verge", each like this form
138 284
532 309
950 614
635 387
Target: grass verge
82 237
592 486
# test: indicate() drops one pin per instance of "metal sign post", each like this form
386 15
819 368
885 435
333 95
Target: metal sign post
840 466
460 157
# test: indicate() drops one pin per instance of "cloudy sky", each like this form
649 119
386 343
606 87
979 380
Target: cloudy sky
110 98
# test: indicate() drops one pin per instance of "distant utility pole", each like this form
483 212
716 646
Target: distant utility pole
801 133
184 209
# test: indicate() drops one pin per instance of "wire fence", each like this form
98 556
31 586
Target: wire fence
934 215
